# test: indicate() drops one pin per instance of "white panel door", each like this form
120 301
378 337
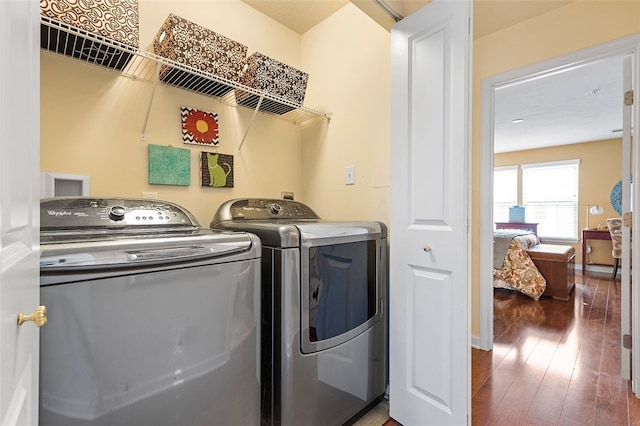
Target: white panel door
429 258
19 209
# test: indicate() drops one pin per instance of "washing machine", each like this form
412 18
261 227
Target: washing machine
324 311
153 320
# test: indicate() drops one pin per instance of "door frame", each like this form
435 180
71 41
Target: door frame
624 46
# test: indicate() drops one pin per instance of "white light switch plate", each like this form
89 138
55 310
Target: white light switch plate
350 175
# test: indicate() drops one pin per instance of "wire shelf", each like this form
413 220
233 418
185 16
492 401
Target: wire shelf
64 39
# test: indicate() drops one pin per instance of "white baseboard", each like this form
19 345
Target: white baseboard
596 268
475 342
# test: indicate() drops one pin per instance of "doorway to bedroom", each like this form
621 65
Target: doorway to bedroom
498 126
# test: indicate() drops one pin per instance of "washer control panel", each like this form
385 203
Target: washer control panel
264 209
86 212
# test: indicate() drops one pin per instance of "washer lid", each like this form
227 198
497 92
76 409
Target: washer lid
144 251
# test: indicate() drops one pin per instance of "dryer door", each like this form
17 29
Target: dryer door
341 295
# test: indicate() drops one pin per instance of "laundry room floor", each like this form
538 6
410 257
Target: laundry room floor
378 416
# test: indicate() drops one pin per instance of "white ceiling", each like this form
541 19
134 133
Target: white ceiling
579 105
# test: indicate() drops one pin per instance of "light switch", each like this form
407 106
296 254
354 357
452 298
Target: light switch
350 175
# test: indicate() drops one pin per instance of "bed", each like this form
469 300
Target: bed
513 269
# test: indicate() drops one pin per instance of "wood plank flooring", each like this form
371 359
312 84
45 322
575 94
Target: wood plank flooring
554 362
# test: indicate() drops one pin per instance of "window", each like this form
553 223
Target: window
505 192
550 198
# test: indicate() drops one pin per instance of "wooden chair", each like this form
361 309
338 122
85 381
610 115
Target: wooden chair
615 229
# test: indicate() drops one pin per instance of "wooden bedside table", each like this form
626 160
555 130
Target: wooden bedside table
592 234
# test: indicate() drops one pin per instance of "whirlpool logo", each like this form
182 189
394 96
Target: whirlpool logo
58 213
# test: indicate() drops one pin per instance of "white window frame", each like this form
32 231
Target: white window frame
532 211
503 206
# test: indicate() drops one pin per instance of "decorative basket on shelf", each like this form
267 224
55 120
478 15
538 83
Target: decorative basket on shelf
275 78
112 27
202 49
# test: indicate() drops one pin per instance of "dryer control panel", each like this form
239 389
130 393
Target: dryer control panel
91 212
263 209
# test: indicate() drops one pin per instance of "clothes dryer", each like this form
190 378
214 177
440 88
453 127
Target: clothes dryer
324 304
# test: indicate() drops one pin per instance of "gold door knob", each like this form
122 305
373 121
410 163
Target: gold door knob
39 317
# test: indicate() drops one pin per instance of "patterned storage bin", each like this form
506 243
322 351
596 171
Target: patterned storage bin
115 21
190 44
275 78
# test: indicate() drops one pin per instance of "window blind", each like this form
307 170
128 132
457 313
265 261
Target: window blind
550 198
505 191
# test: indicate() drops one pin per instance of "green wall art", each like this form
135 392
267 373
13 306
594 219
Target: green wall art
217 170
169 166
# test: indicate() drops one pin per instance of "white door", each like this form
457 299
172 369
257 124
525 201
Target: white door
429 259
19 211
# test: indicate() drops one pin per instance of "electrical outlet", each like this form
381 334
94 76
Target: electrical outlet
588 249
286 195
350 175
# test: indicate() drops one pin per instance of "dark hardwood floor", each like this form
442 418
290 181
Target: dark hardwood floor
554 362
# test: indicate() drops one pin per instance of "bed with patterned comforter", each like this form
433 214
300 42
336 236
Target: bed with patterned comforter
512 267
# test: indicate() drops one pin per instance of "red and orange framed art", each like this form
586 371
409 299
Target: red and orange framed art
199 127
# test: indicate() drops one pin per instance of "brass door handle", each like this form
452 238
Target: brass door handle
426 248
39 317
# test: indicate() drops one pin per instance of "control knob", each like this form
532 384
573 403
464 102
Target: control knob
275 208
116 213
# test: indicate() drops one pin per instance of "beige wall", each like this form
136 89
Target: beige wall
577 26
91 119
349 56
599 172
